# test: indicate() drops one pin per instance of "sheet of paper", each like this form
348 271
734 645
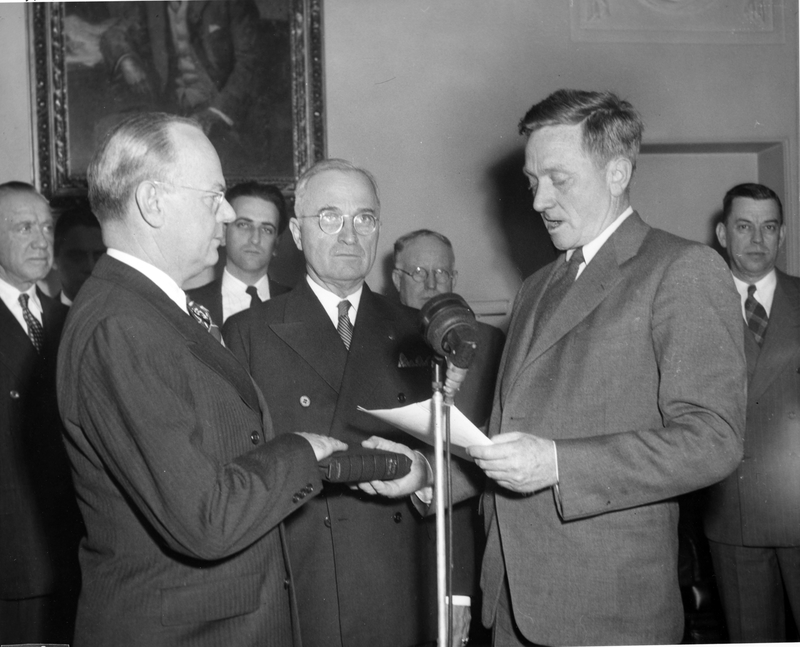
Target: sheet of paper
415 419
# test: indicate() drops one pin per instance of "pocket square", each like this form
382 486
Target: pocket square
412 362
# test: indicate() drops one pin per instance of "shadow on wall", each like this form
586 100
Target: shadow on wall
511 208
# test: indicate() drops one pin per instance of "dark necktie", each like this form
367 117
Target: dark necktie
35 330
200 315
345 328
757 319
253 292
562 281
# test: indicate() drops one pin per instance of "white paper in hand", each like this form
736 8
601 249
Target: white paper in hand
415 419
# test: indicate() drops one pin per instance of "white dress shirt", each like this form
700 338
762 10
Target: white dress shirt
157 276
330 301
234 293
10 296
764 294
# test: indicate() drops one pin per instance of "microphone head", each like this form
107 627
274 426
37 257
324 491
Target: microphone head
448 325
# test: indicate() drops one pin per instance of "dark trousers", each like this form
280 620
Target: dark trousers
752 582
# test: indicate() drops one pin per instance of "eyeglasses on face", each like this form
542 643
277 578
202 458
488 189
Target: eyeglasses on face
216 196
420 274
331 222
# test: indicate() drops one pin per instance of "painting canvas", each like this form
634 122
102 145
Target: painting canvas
248 71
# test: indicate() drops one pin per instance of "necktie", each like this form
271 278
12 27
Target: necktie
253 292
562 281
345 328
757 319
35 330
200 315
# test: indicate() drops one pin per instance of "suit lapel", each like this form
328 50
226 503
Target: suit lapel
198 341
308 330
781 342
16 348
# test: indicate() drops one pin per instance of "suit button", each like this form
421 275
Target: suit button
398 517
305 401
295 499
14 394
401 397
286 583
327 522
255 437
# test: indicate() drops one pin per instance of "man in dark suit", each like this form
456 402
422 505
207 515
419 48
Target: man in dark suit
250 244
753 516
77 247
618 390
181 481
39 520
363 564
424 266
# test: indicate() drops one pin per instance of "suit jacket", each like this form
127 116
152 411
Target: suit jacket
39 520
364 566
759 504
210 296
180 479
639 376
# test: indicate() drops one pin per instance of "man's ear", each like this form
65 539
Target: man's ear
151 205
618 175
455 279
722 235
396 279
294 227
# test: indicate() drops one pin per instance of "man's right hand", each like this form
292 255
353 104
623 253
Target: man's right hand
323 446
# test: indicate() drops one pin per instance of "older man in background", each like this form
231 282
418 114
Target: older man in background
39 520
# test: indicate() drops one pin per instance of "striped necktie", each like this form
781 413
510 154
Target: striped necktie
345 327
35 329
757 319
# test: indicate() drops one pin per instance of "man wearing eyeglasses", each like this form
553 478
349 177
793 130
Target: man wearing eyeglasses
363 565
181 480
250 243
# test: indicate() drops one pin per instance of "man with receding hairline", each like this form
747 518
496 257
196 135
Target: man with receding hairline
181 480
39 521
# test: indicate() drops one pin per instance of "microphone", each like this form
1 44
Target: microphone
448 325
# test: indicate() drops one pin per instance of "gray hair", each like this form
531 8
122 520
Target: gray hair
332 164
138 148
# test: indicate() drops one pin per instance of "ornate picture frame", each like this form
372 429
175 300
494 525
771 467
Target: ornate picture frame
82 84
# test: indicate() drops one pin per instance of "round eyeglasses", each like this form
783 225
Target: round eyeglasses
420 274
331 222
216 196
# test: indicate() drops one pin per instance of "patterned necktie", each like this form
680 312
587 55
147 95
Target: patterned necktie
252 290
200 315
35 330
757 319
345 328
562 281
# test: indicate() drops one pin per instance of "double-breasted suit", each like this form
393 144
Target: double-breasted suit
39 520
759 504
364 565
179 477
639 377
210 296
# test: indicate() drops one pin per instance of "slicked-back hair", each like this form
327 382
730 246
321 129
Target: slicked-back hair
267 192
332 164
611 126
401 243
16 186
137 149
752 191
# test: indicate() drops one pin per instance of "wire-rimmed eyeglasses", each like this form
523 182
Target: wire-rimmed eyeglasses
420 274
217 196
331 222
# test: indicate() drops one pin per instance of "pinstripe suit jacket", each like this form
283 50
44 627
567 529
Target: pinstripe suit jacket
39 520
180 479
639 377
759 504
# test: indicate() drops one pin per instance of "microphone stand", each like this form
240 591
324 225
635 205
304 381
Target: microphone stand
440 413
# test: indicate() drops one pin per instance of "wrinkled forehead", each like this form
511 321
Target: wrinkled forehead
16 206
427 251
346 191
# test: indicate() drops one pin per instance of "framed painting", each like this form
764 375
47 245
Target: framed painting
249 71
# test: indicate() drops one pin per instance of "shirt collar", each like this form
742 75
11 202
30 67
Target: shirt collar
765 290
330 301
157 276
10 297
590 249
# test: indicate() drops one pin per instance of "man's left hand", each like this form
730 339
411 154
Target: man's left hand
518 462
415 480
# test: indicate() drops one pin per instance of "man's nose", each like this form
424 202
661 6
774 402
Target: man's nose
430 280
347 234
255 235
542 198
226 213
41 240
